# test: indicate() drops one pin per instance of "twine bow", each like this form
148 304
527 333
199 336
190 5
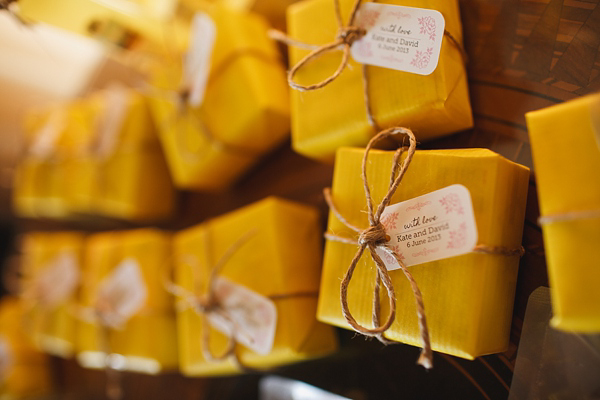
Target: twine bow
345 37
209 303
375 237
183 111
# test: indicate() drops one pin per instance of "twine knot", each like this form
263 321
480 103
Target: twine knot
374 234
350 34
207 303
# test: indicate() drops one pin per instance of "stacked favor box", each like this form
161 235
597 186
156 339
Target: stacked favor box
95 157
422 246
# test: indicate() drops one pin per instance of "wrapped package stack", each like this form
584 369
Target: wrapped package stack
125 309
271 254
51 267
224 103
566 153
468 298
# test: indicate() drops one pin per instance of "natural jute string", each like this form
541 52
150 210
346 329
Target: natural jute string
372 238
180 98
375 237
345 37
204 305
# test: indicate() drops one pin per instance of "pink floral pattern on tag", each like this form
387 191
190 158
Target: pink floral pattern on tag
422 58
452 203
418 206
427 27
364 48
458 237
390 259
389 221
368 18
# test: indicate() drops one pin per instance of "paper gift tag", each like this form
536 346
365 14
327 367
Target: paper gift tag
57 281
110 121
196 66
45 139
253 317
6 358
402 38
122 293
431 227
595 119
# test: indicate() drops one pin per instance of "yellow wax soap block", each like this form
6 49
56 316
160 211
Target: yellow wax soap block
271 248
124 278
127 22
244 111
25 372
335 115
468 298
39 184
120 170
52 270
272 10
566 154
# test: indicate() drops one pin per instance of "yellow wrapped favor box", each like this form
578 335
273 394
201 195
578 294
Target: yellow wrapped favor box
245 108
24 372
51 266
271 248
51 135
468 298
119 170
335 115
124 280
272 10
566 153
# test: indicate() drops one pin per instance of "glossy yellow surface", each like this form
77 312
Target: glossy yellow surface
28 371
133 181
469 298
130 182
146 18
245 112
39 183
148 340
52 329
334 116
272 10
281 256
566 155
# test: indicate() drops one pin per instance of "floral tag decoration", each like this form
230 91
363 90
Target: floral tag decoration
196 67
252 318
6 358
437 225
56 282
121 294
402 38
111 119
48 135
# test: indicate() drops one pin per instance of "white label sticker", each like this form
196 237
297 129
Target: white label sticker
402 38
57 281
121 294
45 139
196 66
110 120
437 225
6 358
252 317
